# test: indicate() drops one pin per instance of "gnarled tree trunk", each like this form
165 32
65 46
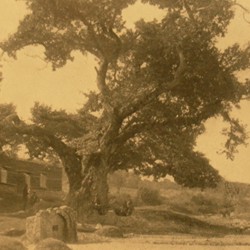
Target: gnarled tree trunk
88 187
92 193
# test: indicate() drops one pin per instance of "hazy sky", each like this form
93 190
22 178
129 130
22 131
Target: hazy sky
30 79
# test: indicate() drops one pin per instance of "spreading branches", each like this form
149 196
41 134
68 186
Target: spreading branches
106 54
45 136
134 127
165 74
145 99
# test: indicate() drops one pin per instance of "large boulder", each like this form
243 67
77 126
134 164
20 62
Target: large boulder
58 223
51 244
7 243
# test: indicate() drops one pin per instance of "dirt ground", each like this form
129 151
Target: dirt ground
131 246
175 242
171 239
91 241
167 242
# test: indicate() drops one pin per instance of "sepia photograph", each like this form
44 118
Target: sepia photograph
124 124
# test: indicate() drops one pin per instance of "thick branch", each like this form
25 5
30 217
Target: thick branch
108 143
101 78
138 128
49 139
93 35
118 41
104 61
102 86
68 155
148 98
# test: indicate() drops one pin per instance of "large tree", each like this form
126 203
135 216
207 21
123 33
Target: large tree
157 84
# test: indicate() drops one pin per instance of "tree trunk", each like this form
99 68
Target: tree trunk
88 187
92 194
73 169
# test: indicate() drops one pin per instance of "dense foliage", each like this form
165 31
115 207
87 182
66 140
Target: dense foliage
157 84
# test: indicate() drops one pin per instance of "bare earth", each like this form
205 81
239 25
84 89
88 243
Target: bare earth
90 241
176 242
169 242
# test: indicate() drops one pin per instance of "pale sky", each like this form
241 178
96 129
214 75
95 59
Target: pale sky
29 79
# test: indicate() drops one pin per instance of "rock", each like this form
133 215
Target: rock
85 228
58 223
98 226
51 244
13 232
110 231
7 243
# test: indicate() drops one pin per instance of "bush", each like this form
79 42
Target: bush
122 205
200 200
206 204
149 196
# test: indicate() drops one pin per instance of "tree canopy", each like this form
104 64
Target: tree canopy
158 83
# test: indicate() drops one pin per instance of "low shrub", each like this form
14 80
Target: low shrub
207 204
122 204
201 200
149 196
